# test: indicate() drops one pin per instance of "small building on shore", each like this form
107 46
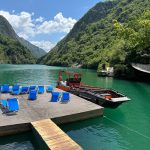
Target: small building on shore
108 72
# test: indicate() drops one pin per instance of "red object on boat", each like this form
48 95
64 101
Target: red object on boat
73 81
108 96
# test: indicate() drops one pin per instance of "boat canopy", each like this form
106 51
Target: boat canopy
73 79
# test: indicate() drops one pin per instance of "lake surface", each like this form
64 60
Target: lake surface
24 141
124 128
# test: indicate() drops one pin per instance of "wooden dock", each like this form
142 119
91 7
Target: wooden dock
53 136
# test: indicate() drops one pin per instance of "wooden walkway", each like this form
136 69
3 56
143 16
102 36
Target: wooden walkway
53 136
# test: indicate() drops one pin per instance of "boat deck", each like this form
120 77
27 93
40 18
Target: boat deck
76 109
53 136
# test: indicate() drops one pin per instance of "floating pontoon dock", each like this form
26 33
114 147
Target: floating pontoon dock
30 111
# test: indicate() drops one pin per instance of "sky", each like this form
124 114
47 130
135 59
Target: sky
44 22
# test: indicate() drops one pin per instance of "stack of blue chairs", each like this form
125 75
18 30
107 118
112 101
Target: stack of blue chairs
49 88
3 103
15 90
65 97
10 105
32 95
24 90
41 89
32 87
55 96
5 88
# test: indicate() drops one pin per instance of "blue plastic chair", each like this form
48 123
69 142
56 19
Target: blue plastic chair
5 88
55 96
24 90
65 97
3 103
32 87
12 105
49 89
32 95
40 89
15 90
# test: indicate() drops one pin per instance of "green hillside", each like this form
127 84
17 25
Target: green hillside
12 52
113 33
7 30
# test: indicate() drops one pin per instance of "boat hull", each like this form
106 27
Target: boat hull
94 95
107 103
97 100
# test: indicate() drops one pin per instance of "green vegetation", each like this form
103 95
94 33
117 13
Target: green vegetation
12 52
7 30
135 43
113 33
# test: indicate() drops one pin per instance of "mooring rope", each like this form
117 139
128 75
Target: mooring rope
130 129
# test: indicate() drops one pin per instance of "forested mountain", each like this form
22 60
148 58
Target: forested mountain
12 52
7 30
113 33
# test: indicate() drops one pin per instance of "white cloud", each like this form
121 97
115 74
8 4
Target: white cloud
40 19
22 23
58 24
27 26
46 45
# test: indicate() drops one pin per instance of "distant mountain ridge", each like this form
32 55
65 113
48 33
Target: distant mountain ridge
36 51
7 30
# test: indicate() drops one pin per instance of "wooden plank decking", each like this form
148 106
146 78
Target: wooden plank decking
53 136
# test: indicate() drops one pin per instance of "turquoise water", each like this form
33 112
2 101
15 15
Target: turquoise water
124 128
23 141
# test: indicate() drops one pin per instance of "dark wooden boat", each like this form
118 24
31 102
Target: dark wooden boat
103 97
